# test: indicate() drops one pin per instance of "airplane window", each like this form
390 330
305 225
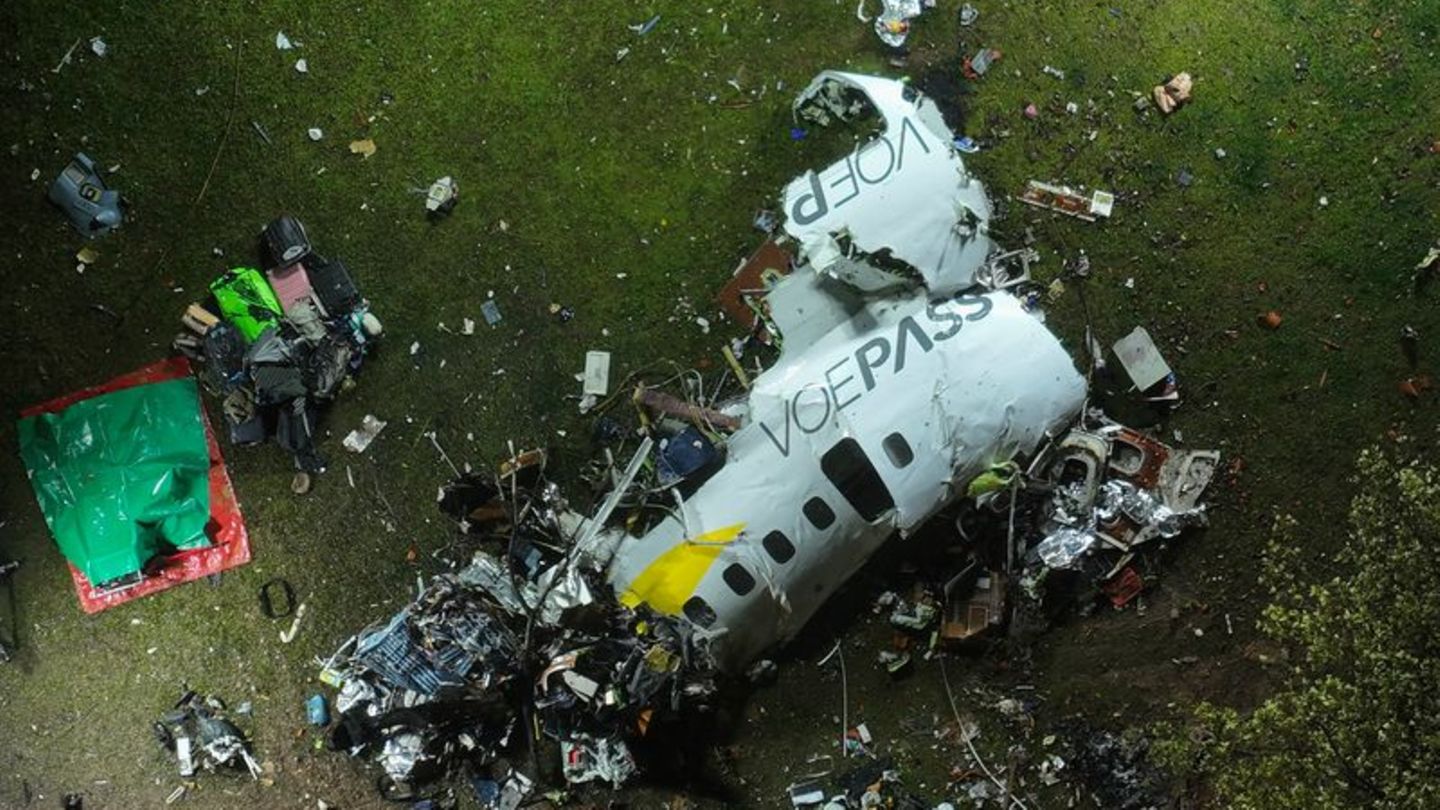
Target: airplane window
898 450
850 470
778 546
738 579
699 611
819 513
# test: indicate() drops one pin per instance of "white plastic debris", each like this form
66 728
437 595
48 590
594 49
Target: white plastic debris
467 327
98 47
301 66
360 438
287 636
441 192
282 42
315 133
1141 359
1102 203
597 374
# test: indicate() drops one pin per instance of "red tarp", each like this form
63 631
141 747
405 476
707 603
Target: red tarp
230 543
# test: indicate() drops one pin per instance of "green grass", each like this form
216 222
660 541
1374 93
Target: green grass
598 167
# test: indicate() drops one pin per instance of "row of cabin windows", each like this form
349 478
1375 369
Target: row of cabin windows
851 472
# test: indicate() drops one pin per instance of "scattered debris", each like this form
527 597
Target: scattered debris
65 60
1113 490
98 47
490 311
766 221
315 133
443 685
282 42
1067 201
892 24
442 196
288 635
641 29
93 208
1173 93
317 711
364 148
1413 387
1425 268
978 65
596 381
302 66
968 15
359 439
197 732
1142 361
267 599
1271 319
974 604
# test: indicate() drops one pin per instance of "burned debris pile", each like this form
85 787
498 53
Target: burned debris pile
279 345
523 647
199 733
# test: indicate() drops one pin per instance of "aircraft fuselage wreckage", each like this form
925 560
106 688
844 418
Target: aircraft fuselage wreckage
911 376
901 379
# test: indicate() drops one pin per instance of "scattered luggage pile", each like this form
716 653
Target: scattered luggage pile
281 343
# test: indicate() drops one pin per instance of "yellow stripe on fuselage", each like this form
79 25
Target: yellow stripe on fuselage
668 582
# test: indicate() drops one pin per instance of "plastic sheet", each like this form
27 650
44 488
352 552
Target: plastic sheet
121 476
229 542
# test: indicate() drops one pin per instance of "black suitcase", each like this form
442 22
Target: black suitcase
334 289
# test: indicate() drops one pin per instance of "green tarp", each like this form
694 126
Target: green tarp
121 476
